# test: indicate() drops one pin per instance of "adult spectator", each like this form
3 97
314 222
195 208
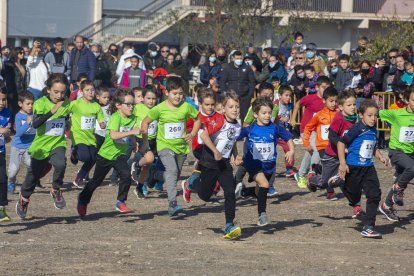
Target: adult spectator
264 74
111 58
82 60
124 60
221 55
332 54
5 53
256 60
385 71
210 71
362 49
239 77
37 70
276 69
58 59
313 59
103 73
165 50
152 59
14 74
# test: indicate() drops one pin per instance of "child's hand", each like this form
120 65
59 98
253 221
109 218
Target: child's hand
292 123
385 161
56 107
284 119
342 170
237 161
217 155
189 137
29 120
289 156
5 131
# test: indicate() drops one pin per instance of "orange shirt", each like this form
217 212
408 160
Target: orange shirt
397 105
319 123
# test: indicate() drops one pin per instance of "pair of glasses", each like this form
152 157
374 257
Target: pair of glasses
21 52
113 49
298 57
129 104
167 51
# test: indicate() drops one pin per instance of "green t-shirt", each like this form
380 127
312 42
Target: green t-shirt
140 112
402 128
51 134
172 126
84 117
249 119
112 149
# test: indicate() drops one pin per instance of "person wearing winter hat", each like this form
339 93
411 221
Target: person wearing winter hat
152 58
313 59
124 61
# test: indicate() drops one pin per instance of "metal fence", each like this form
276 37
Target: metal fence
367 6
308 5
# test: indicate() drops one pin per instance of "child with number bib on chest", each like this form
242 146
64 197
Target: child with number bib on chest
113 152
260 157
50 114
85 113
172 140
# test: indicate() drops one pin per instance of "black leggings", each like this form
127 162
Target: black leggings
207 181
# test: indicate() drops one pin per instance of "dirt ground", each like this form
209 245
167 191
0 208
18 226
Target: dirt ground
308 235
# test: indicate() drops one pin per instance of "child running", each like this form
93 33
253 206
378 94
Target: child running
209 119
357 167
103 96
85 113
50 114
401 152
172 140
219 137
320 123
4 134
260 156
140 163
25 134
112 153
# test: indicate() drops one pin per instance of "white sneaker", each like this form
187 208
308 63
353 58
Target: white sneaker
238 190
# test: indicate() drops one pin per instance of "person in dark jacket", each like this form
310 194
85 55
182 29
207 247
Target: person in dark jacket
82 60
152 58
276 69
239 77
210 70
344 76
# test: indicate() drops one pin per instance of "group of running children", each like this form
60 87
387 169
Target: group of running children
104 129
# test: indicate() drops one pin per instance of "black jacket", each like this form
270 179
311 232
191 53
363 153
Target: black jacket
240 79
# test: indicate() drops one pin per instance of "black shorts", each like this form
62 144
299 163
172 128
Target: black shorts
151 143
252 174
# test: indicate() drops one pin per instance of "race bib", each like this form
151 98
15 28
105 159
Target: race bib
125 139
152 128
225 147
367 149
174 130
407 135
101 131
263 151
325 132
30 130
55 127
88 122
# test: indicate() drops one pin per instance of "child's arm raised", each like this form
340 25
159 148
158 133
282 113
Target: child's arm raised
39 119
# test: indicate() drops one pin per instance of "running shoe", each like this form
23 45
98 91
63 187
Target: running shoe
370 232
58 199
272 191
331 196
174 209
159 186
3 215
357 213
298 141
301 180
238 190
231 231
135 171
335 181
290 173
263 219
122 207
398 195
78 182
11 187
389 212
138 193
21 206
81 208
186 191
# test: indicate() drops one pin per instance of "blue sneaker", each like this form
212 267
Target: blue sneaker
272 191
145 190
231 231
174 209
11 188
159 186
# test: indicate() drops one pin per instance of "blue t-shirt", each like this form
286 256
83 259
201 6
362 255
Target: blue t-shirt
361 142
25 133
4 122
261 144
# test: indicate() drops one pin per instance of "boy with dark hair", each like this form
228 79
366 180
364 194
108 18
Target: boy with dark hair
344 76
